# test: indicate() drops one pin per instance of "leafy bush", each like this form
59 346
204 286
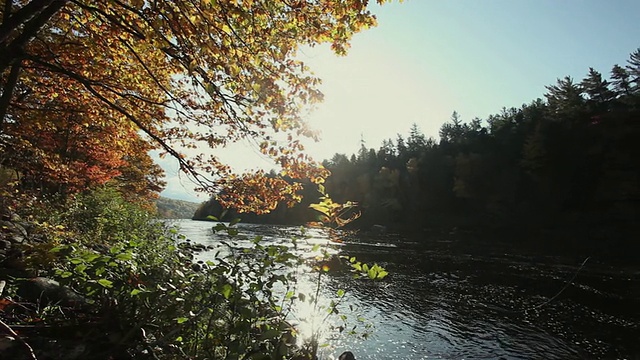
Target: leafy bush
145 294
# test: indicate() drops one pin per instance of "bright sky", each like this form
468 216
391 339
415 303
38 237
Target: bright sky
428 58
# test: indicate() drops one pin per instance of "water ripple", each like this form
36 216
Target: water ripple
448 301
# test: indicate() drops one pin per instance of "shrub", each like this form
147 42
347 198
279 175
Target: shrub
145 295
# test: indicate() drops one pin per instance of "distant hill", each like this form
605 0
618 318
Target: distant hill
175 209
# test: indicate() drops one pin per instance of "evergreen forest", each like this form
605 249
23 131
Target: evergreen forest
564 165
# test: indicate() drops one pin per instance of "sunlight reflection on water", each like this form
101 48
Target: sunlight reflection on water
312 243
443 305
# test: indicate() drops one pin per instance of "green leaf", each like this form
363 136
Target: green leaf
372 274
226 291
105 283
234 221
211 217
124 256
91 257
181 320
320 208
57 249
340 293
270 334
135 292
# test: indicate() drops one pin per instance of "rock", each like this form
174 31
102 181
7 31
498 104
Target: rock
347 355
13 231
5 246
44 291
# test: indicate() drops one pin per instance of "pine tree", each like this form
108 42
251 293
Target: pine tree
598 90
452 131
565 98
362 152
633 69
620 80
401 146
416 141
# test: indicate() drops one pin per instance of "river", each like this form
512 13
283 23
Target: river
450 297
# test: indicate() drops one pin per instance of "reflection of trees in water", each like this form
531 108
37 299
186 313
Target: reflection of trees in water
468 300
487 305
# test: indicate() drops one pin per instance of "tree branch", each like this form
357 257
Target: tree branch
89 84
44 9
7 92
7 11
8 329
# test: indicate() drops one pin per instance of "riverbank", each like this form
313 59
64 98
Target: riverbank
101 278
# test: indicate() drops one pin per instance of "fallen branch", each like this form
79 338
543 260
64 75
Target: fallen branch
19 338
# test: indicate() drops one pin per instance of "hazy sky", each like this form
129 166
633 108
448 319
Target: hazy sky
428 58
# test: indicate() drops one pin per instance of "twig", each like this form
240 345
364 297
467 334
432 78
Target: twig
566 285
19 338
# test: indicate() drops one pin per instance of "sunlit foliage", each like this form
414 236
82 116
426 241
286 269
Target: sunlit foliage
82 81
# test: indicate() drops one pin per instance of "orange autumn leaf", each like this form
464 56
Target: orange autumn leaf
89 87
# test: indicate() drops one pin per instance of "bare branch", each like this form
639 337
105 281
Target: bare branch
13 51
89 84
7 92
9 330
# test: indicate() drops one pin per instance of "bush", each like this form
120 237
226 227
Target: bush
144 295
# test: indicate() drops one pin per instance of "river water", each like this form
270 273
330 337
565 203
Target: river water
451 297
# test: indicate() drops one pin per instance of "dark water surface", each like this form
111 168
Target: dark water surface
470 299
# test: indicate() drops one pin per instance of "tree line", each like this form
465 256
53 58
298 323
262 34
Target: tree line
568 161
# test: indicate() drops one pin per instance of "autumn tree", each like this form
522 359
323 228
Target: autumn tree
180 75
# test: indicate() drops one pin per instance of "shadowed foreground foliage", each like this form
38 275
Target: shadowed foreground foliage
132 288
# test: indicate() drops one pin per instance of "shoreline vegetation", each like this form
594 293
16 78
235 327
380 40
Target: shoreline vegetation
90 88
127 286
559 171
88 91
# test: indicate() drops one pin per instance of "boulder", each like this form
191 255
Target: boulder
44 291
